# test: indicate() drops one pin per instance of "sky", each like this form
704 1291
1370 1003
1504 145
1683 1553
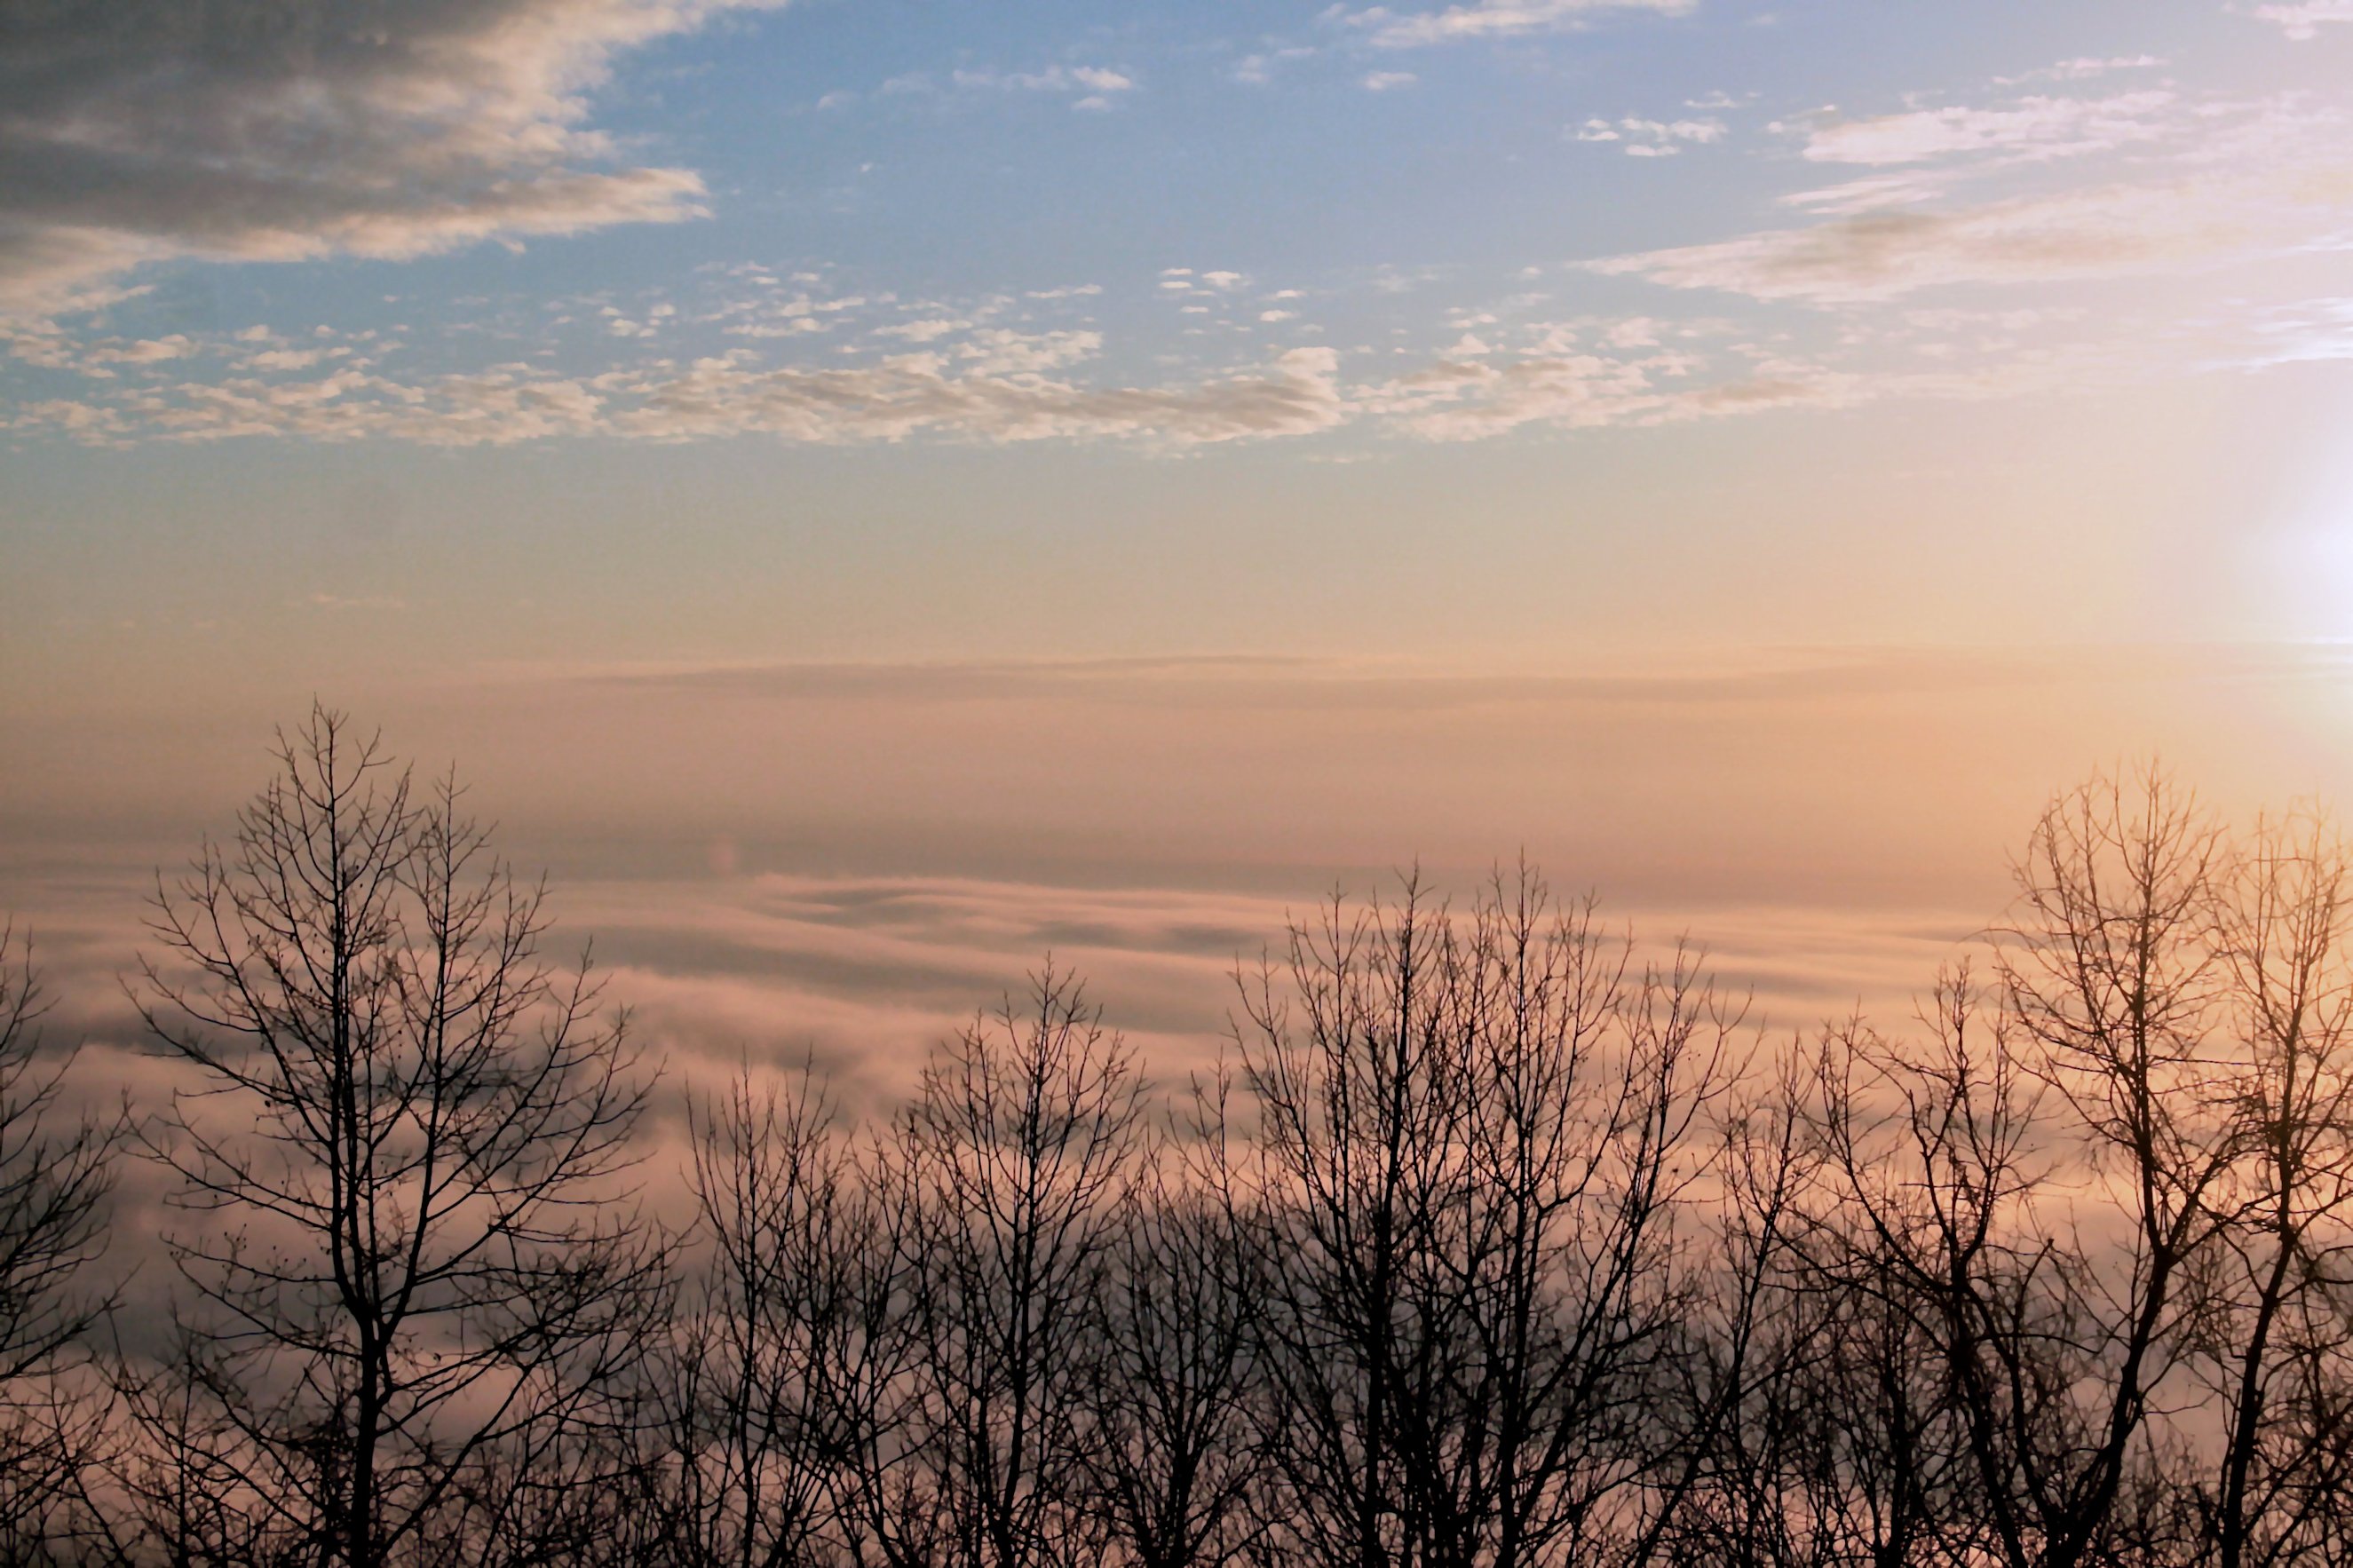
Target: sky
870 490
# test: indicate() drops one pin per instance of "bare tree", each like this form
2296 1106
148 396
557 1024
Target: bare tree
2039 1195
412 1294
781 1363
1176 1411
54 1176
1478 1143
1940 1297
1820 1431
2111 976
1012 1165
2276 1347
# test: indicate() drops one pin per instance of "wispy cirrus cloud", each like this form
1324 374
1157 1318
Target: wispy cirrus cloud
144 130
1882 255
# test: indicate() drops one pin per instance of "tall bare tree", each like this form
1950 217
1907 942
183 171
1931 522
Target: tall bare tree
2040 1192
2112 977
413 1289
2275 1324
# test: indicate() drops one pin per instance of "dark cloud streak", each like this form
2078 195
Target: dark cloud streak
137 129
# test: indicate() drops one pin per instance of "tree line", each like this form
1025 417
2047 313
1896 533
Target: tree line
1496 1239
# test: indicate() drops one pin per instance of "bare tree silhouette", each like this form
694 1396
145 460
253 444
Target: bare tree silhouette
782 1360
1012 1166
1476 1138
1177 1420
412 1299
55 1178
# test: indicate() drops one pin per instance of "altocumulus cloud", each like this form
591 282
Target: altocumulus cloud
140 130
999 396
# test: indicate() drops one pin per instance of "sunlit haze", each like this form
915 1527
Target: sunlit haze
868 495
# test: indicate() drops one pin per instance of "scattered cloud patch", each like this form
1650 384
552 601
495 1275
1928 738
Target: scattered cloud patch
1090 87
284 359
1258 69
925 330
2084 69
1495 19
2304 21
152 351
1638 138
2031 129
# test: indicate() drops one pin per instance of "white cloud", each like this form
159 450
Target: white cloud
1463 398
2083 69
2095 232
151 350
1258 69
1096 85
142 130
1002 351
1385 81
2304 21
2312 331
2033 129
1871 193
1638 138
925 330
1495 19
